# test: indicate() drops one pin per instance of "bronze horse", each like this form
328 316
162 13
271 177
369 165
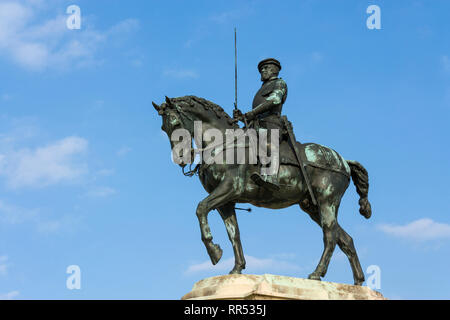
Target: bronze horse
228 184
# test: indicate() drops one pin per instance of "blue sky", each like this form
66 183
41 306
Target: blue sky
85 172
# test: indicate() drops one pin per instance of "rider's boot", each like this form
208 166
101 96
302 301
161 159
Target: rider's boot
267 181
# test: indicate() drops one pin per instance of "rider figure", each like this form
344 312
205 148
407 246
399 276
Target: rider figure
266 111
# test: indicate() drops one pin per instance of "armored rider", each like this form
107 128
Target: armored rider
266 112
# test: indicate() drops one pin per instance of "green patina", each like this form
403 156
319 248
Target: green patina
236 182
346 166
336 158
311 154
328 190
328 187
231 229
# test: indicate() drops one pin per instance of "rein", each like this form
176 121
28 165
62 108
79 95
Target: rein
191 171
223 145
195 171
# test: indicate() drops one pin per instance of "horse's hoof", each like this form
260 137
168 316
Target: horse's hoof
215 254
314 276
235 271
359 282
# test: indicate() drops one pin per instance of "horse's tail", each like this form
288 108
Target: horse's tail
360 178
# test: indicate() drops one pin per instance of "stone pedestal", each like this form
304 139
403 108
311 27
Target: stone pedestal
272 287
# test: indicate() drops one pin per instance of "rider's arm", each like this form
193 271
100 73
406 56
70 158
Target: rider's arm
274 99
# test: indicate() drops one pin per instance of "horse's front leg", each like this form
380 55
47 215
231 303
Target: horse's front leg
220 196
228 214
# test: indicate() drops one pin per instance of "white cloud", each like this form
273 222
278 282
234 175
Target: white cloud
420 230
37 44
283 256
46 165
252 263
9 296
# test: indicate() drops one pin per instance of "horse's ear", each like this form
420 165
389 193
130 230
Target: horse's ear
157 108
168 101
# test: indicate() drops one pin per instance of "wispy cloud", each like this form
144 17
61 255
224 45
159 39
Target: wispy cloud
180 74
10 214
123 151
124 27
231 15
204 28
252 263
37 44
419 230
15 215
43 166
60 225
244 10
9 296
18 131
101 192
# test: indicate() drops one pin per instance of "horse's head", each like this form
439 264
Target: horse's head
183 113
171 121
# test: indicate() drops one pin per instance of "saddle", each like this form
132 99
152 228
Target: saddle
314 155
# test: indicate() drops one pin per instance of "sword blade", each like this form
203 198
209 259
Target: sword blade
300 162
235 71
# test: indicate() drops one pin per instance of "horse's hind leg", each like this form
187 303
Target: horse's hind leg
228 215
345 242
329 227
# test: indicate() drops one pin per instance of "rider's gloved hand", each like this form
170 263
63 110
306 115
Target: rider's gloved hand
249 116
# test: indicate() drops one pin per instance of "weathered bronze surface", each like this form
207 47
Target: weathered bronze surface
328 172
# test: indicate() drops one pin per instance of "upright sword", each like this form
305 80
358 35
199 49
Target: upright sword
235 78
235 93
235 71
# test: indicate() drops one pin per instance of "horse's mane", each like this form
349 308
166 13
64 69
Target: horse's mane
207 105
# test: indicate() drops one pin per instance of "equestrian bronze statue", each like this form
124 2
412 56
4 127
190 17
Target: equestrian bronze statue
310 175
